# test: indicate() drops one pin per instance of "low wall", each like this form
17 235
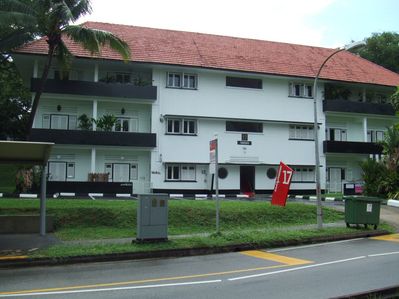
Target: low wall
23 224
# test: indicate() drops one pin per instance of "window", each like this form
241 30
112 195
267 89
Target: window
375 136
70 170
189 126
301 132
182 80
60 171
121 172
335 134
239 126
180 172
172 172
222 173
59 121
244 82
190 81
303 174
181 126
122 124
300 90
134 172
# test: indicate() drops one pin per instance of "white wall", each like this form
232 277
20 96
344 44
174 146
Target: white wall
214 103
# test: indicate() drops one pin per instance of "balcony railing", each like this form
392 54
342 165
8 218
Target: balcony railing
357 107
83 137
102 89
351 147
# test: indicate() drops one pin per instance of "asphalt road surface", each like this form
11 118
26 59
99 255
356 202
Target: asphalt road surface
313 271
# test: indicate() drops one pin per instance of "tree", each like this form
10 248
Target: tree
383 49
15 102
51 19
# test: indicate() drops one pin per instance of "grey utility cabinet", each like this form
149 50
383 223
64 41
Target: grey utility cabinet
152 217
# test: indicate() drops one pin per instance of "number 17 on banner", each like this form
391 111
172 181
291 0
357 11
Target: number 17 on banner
282 185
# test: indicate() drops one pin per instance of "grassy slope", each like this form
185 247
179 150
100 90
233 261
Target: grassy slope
88 219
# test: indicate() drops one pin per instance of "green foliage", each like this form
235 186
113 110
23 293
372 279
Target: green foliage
14 103
383 49
394 99
372 174
391 148
106 122
382 177
85 123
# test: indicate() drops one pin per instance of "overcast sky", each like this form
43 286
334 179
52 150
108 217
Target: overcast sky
325 23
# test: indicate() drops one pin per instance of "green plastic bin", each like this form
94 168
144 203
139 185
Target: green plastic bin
362 210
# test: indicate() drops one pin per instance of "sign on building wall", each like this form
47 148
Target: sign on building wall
282 185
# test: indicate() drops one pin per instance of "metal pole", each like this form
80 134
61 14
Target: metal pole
217 186
43 201
316 143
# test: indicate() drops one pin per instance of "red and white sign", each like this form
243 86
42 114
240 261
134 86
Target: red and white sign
213 144
282 185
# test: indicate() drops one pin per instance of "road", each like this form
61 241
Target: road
312 271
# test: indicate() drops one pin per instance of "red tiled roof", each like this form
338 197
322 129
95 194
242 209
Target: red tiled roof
230 53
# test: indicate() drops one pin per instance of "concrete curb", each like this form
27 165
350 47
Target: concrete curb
34 262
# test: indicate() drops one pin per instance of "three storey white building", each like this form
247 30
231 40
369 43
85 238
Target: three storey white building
182 88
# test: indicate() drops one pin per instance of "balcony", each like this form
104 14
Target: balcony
102 89
82 137
351 147
357 107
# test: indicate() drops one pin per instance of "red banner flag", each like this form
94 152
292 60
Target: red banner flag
282 185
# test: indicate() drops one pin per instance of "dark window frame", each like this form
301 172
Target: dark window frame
242 82
242 126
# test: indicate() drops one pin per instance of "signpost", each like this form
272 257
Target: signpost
214 170
282 185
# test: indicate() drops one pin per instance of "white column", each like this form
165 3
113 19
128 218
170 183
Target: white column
364 98
94 113
95 73
93 160
35 69
365 129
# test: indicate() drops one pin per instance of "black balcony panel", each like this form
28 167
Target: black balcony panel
350 147
357 107
83 137
101 89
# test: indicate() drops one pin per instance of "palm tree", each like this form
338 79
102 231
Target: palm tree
52 19
390 146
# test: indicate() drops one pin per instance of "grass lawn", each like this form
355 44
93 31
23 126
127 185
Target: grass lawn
242 222
103 219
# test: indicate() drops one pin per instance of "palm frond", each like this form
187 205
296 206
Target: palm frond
79 8
15 39
93 39
64 56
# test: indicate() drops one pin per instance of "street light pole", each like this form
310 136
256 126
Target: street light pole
316 130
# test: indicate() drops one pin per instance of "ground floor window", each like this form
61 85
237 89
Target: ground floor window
61 171
180 172
121 172
303 174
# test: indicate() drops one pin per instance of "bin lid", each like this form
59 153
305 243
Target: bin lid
364 198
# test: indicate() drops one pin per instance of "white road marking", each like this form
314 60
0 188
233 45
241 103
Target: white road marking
115 289
383 254
297 268
314 245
